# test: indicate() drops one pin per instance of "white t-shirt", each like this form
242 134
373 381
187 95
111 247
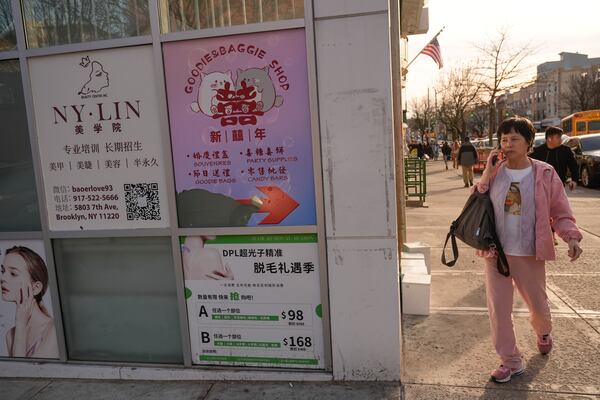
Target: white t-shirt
512 213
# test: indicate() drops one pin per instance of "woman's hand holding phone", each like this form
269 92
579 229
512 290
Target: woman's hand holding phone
492 159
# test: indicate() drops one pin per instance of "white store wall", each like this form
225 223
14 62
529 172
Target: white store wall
354 86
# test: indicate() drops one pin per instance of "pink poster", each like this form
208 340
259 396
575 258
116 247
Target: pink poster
240 130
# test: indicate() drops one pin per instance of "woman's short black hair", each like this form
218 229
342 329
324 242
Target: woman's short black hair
553 130
520 125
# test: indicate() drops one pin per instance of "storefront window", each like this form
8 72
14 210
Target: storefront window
119 299
51 23
182 15
7 29
18 198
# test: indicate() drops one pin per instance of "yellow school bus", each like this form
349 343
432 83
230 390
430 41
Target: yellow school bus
581 123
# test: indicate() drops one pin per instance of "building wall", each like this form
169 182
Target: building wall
546 96
358 178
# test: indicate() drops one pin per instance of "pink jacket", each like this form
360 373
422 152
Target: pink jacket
552 210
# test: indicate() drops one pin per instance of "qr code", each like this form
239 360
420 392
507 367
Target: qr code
141 201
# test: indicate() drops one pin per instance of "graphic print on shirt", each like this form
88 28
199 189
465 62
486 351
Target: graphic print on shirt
512 204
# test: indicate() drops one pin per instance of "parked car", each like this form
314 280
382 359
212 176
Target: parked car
485 143
587 154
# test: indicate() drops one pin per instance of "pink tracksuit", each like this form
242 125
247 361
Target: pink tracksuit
552 210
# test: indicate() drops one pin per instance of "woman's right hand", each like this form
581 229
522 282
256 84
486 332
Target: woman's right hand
25 305
490 165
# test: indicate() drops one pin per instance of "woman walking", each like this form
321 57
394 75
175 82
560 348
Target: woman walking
529 200
446 153
455 148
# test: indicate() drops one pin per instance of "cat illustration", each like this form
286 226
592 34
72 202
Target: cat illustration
209 88
265 90
98 79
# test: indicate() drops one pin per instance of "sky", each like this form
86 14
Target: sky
549 26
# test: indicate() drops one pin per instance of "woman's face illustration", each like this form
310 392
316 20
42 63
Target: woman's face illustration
15 275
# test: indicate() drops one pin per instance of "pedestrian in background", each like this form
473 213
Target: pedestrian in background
561 158
455 148
428 151
467 157
420 151
558 155
436 149
446 153
529 199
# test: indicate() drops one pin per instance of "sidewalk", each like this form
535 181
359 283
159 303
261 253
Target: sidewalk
448 354
38 389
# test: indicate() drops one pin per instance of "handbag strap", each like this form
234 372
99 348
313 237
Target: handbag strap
501 262
450 235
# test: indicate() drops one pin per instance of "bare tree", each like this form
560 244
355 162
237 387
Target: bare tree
478 118
460 92
583 92
499 68
423 115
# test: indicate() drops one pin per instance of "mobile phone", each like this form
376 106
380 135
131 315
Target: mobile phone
495 158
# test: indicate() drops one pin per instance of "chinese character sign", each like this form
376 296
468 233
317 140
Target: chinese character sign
254 300
99 134
240 130
26 316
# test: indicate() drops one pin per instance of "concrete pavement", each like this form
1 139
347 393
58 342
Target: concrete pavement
38 389
448 354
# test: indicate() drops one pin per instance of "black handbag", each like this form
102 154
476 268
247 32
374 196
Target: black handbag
476 227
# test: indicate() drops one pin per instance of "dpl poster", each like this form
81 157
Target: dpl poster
240 130
254 300
99 136
26 317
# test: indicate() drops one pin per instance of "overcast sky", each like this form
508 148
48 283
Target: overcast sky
551 26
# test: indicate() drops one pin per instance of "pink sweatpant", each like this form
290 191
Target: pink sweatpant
529 276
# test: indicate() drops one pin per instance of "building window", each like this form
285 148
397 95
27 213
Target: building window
119 299
183 15
18 197
8 40
51 23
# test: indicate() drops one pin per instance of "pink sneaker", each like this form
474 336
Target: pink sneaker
544 344
503 374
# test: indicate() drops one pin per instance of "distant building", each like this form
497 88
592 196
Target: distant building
545 98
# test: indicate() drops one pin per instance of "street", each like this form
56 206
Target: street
452 347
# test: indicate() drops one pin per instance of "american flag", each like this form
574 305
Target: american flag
433 50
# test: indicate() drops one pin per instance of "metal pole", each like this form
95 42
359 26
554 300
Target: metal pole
244 12
182 14
197 13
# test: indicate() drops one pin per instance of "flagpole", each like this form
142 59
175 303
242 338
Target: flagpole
436 35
